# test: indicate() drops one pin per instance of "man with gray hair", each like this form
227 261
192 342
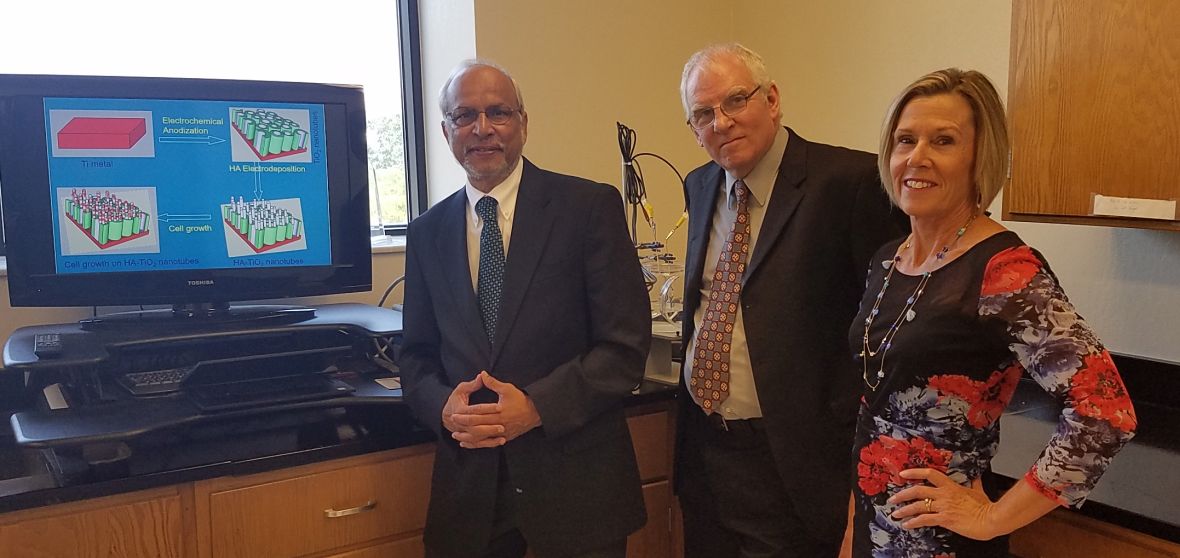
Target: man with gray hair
526 327
781 230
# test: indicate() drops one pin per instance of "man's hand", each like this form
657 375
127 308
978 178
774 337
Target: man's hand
473 426
517 413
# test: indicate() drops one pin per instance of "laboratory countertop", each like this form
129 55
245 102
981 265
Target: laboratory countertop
1136 491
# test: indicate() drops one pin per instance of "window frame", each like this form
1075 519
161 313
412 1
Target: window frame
2 252
413 118
413 113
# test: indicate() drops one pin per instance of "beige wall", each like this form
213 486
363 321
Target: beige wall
838 64
584 65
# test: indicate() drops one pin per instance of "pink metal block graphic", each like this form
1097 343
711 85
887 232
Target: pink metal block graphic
83 132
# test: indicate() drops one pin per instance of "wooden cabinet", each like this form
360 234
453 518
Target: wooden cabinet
652 435
343 505
367 506
145 524
1066 534
655 539
1092 108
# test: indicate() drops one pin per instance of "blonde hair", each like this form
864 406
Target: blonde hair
711 53
990 168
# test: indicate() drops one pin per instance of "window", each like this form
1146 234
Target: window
362 42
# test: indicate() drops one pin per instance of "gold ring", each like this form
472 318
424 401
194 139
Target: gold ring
928 502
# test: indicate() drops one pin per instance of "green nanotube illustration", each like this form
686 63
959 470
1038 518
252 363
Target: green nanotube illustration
262 225
106 219
268 134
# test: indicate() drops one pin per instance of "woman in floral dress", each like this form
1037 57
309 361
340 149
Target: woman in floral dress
953 315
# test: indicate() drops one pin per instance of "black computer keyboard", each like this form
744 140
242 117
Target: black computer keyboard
265 391
155 381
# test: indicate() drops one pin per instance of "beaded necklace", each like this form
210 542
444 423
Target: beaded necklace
907 313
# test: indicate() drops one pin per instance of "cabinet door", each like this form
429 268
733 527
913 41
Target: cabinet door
144 524
336 505
654 540
651 435
1093 108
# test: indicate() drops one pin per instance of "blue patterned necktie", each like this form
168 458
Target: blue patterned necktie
491 264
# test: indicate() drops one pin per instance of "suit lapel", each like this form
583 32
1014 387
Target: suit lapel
532 220
784 200
700 223
451 244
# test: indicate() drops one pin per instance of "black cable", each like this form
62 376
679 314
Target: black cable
634 190
671 166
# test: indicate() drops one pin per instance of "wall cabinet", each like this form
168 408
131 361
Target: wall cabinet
1093 110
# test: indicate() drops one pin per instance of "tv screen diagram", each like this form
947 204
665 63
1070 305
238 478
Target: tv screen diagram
158 184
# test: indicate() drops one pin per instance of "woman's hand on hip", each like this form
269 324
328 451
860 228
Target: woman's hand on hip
943 502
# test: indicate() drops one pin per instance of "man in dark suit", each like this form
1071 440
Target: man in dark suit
780 235
526 327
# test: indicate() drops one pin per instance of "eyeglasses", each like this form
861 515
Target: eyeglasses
731 106
465 117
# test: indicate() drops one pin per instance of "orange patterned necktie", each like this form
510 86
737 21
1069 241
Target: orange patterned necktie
710 361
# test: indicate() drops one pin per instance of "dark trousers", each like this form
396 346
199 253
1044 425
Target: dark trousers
513 545
508 542
733 499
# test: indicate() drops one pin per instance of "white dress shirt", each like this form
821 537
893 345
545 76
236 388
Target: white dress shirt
505 195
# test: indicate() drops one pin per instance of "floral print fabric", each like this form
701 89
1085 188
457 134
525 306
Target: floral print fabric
983 321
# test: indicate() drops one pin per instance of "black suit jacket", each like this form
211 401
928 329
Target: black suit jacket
801 290
573 332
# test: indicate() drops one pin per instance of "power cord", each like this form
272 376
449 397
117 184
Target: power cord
388 290
384 355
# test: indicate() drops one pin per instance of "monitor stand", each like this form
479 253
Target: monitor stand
203 315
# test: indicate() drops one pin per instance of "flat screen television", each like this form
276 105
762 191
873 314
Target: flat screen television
192 193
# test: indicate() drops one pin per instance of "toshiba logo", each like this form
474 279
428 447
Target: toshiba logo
199 282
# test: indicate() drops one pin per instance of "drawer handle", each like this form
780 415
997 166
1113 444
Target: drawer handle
351 511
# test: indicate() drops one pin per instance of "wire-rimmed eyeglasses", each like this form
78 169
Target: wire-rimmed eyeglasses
730 106
498 115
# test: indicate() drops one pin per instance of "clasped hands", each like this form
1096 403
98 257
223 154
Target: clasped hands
487 425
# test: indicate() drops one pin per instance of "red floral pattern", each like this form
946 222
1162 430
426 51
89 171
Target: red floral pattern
986 400
1010 271
882 460
951 378
1098 392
